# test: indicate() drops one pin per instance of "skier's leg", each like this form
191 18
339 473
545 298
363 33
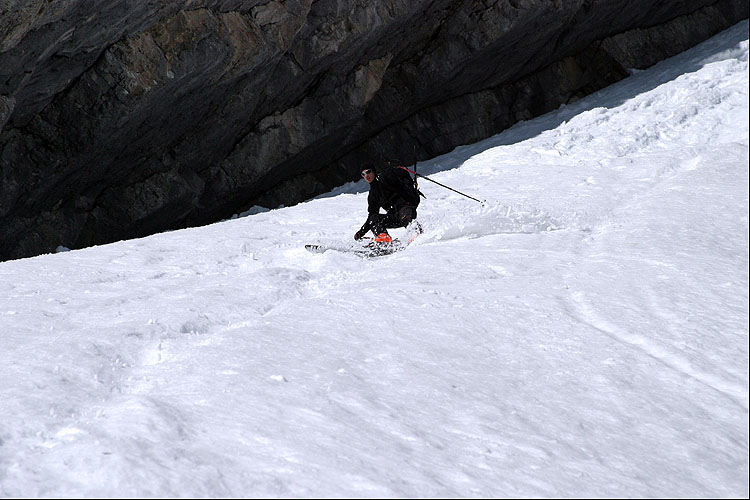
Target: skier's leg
406 215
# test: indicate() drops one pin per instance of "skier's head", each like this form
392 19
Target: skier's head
368 172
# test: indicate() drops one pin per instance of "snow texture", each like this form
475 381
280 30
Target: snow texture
583 333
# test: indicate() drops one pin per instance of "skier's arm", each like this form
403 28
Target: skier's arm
368 225
373 209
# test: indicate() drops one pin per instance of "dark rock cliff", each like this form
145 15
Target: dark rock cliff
120 118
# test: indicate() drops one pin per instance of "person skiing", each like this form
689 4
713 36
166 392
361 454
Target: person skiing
394 190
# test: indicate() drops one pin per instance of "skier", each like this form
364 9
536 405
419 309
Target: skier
393 190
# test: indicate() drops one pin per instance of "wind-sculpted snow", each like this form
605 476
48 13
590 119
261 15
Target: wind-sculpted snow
583 333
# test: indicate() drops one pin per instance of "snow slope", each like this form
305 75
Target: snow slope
583 333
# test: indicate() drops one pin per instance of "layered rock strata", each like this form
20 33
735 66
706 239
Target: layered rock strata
121 118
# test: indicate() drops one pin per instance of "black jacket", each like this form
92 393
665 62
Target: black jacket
392 190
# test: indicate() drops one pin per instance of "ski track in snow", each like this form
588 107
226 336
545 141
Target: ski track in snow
586 313
654 308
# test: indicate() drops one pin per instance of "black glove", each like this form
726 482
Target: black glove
360 233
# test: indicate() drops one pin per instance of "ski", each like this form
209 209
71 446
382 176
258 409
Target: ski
369 250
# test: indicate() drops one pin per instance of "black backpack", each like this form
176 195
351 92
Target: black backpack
409 185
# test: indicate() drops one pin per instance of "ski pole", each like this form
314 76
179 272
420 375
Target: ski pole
416 183
443 185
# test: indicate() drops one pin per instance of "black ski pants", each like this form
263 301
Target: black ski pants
395 218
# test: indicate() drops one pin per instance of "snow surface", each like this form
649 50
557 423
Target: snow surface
583 333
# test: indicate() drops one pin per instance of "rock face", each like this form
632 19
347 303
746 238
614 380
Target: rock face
120 118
